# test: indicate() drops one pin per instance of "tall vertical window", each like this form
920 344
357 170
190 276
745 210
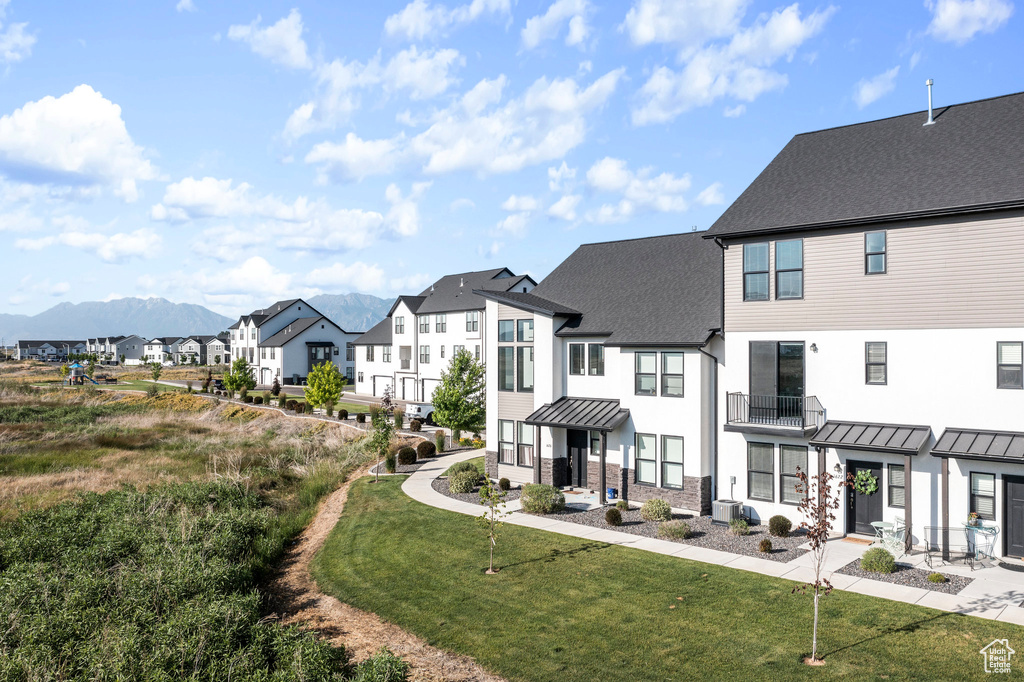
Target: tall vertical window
525 369
400 324
875 366
506 446
473 321
442 350
793 457
874 253
272 349
369 353
672 374
1009 367
576 359
350 352
506 368
441 323
760 471
425 355
671 462
789 269
525 334
983 495
386 353
646 379
596 352
897 486
424 324
506 331
476 353
263 353
524 454
755 272
595 443
646 458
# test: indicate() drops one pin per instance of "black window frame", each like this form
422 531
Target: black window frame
884 253
520 350
591 347
360 377
766 273
637 373
665 464
582 349
507 354
770 474
441 323
782 271
1000 365
681 375
790 478
972 507
868 364
511 444
507 335
522 327
892 486
637 459
521 461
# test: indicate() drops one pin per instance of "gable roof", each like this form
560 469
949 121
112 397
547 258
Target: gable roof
264 315
455 293
971 159
413 303
379 335
292 330
531 302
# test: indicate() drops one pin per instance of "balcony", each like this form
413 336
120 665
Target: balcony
773 414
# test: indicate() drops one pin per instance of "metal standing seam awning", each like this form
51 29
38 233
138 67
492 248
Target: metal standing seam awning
897 439
593 414
990 446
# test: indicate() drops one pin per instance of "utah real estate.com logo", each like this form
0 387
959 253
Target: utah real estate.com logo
997 656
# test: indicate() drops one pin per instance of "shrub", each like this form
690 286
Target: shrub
674 530
415 425
504 484
188 386
739 527
282 400
540 498
267 397
152 391
425 449
464 481
342 415
329 409
477 444
622 504
779 526
656 510
300 408
291 404
248 399
439 440
361 418
389 463
275 389
613 517
383 666
374 411
936 578
243 393
257 400
459 467
765 546
399 420
476 436
407 456
878 560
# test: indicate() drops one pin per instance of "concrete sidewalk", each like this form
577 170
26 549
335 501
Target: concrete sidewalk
995 593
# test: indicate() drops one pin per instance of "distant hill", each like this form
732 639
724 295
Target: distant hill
352 312
147 317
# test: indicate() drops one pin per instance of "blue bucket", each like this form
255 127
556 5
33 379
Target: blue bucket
612 493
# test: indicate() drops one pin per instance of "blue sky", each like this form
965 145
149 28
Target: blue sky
230 153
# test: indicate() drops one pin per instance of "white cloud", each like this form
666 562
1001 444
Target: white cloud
520 203
423 75
185 6
543 27
871 89
456 205
639 190
958 21
736 111
609 175
78 140
113 248
281 43
348 276
687 25
514 225
357 158
15 43
419 19
403 220
492 251
711 195
21 220
209 197
914 60
738 69
560 178
565 208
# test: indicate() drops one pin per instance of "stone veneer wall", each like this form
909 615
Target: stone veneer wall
553 471
695 494
491 464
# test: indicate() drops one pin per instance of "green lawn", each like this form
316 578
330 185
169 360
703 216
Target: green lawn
478 462
569 609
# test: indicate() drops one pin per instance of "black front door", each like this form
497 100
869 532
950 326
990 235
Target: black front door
576 442
1014 496
863 509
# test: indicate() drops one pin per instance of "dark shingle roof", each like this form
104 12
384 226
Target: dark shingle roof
530 302
294 329
580 413
971 158
992 446
653 291
379 335
904 439
455 292
413 303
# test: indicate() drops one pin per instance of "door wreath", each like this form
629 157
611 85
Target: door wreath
865 483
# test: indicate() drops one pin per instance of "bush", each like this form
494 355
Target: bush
622 505
188 386
399 420
739 527
464 481
243 393
248 399
779 526
425 449
361 418
540 498
389 463
674 530
152 391
407 456
282 400
257 400
329 409
439 440
613 517
275 389
656 510
267 397
459 467
291 404
504 484
765 546
878 560
342 415
300 408
936 578
383 666
415 425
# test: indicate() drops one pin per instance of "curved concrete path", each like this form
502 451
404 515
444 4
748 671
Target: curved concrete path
995 593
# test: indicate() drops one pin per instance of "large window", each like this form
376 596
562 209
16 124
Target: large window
424 355
369 353
524 365
441 323
595 443
874 253
525 331
424 324
350 352
983 495
755 272
646 458
596 352
506 368
793 457
671 462
789 269
875 363
576 359
473 321
386 353
1009 368
400 325
506 446
672 374
760 471
646 373
524 456
506 331
897 486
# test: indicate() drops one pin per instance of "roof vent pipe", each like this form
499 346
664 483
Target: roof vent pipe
930 120
462 281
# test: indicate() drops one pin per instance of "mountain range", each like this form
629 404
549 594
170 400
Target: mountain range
151 317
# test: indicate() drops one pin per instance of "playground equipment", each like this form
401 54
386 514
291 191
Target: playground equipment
78 377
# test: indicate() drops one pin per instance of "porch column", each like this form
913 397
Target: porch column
945 508
536 454
908 503
821 469
604 488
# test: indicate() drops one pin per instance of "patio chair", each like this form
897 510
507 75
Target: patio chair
957 545
895 540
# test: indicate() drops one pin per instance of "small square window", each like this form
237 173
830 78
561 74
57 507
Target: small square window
506 331
525 334
1009 364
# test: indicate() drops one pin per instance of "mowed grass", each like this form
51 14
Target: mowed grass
569 609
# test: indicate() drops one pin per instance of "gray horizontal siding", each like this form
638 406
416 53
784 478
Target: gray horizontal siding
506 312
516 406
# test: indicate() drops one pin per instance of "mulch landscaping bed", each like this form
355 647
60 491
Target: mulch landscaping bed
441 486
704 533
909 576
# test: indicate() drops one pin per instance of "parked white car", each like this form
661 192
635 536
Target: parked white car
422 411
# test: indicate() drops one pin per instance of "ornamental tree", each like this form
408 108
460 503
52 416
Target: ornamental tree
492 497
239 376
380 438
156 370
323 385
459 398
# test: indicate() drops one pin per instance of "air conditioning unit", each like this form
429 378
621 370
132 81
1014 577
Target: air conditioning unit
724 511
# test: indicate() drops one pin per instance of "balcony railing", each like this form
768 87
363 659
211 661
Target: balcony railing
774 410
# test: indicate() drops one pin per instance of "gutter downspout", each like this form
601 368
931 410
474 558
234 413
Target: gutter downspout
714 417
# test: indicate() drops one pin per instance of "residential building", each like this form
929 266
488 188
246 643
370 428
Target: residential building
874 322
218 350
408 350
197 348
158 349
604 375
110 349
287 339
48 350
